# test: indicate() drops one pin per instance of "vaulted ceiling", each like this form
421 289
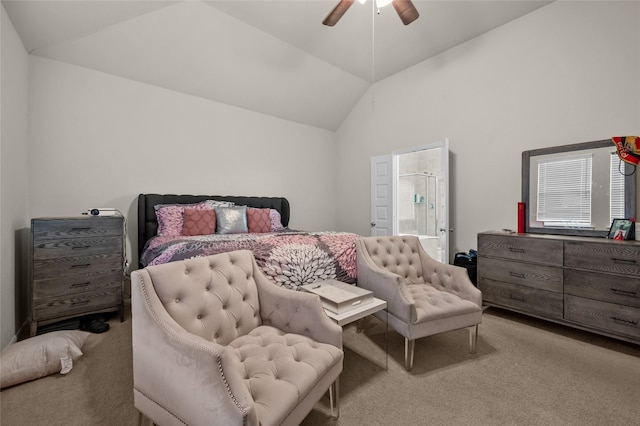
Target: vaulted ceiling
272 57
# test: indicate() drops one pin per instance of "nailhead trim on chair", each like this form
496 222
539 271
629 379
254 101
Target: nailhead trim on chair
160 405
217 355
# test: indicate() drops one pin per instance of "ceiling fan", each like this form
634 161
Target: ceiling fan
405 8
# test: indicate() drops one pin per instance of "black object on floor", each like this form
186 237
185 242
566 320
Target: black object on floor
69 324
470 262
94 324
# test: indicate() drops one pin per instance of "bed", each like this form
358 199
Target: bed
290 258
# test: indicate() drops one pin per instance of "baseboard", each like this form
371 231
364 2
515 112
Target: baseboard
20 332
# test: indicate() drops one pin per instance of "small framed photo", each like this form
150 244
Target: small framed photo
622 229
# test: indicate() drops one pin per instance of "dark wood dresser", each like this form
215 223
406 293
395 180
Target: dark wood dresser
588 283
77 267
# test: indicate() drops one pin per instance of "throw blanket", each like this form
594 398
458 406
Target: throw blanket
289 258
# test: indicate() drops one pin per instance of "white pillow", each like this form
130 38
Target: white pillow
40 356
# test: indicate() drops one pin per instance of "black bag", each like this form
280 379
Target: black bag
470 262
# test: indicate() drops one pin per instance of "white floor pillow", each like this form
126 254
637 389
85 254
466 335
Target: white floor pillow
40 356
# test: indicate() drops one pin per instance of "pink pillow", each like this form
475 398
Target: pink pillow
199 222
170 217
276 220
258 220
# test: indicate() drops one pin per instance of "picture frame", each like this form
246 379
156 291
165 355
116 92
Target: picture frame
622 229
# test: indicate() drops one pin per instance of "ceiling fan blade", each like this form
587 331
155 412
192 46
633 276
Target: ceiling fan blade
406 11
334 16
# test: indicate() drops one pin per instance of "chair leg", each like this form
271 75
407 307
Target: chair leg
409 346
473 338
144 420
334 397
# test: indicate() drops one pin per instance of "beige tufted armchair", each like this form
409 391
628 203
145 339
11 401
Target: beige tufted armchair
216 343
424 297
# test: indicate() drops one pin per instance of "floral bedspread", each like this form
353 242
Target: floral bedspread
289 258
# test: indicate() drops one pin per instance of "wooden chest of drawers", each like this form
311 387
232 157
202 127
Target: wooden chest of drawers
77 267
521 274
588 283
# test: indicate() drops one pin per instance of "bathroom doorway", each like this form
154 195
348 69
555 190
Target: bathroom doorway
421 196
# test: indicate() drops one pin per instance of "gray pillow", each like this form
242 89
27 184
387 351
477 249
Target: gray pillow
231 220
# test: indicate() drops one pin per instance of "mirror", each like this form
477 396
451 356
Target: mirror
575 189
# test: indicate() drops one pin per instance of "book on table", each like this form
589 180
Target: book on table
339 297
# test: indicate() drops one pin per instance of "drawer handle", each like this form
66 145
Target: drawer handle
626 261
624 321
76 285
81 302
80 247
516 249
617 290
517 297
81 228
84 265
517 274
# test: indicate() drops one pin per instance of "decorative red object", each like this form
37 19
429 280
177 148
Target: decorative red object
521 217
628 148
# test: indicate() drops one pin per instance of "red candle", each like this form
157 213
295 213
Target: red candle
521 217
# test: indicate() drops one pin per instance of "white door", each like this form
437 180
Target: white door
381 195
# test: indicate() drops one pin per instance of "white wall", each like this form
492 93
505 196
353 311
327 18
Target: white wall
13 181
98 141
566 73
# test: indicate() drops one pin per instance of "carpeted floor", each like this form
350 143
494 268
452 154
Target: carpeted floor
525 372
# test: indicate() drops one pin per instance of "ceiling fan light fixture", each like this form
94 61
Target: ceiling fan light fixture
405 9
383 3
379 3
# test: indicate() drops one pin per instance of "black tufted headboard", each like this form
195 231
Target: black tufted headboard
148 222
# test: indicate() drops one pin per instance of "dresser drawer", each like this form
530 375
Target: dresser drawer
534 250
524 299
63 266
72 247
605 316
76 284
623 259
76 304
53 229
608 288
525 274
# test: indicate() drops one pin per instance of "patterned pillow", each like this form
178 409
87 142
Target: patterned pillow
170 216
231 220
276 220
199 222
216 203
258 220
